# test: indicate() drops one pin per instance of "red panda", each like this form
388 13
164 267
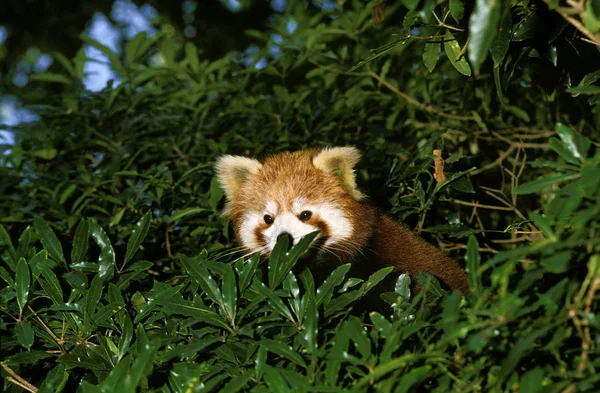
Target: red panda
295 193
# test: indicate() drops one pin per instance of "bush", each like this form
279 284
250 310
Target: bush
157 300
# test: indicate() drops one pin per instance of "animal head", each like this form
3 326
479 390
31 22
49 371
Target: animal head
291 194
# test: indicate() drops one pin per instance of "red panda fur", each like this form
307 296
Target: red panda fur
326 177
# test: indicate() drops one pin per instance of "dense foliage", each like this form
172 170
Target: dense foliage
120 272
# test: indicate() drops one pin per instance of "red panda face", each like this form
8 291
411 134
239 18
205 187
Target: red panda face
259 229
291 194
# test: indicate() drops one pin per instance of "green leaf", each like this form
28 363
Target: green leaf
80 242
412 378
105 312
543 183
229 292
191 211
274 380
275 302
24 242
281 261
215 193
7 277
126 336
237 383
55 381
66 63
473 260
173 305
520 348
557 263
280 349
197 270
191 56
25 334
246 270
410 4
106 260
51 285
592 19
8 252
46 154
310 325
325 291
576 143
30 357
483 27
402 285
115 62
454 53
591 90
51 77
141 367
531 381
132 48
22 281
525 28
138 234
457 9
431 54
500 44
560 149
115 379
49 239
94 295
194 347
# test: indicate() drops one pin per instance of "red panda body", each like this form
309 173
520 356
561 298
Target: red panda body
294 194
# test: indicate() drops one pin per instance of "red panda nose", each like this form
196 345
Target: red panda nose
289 237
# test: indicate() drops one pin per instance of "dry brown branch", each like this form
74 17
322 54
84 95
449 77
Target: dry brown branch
477 204
521 144
439 175
496 162
412 101
59 341
587 343
18 380
464 247
576 15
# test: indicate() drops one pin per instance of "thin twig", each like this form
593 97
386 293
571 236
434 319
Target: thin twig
496 162
59 341
587 342
416 103
477 204
18 380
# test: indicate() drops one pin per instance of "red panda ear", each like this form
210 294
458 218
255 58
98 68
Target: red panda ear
340 161
233 171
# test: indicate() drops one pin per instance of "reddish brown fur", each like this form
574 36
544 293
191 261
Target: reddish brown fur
287 176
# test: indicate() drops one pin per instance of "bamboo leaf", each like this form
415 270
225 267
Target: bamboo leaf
22 282
138 234
49 240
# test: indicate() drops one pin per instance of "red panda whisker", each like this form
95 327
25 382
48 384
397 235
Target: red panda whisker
227 253
331 251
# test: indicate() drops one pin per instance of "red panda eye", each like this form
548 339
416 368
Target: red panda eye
305 215
268 219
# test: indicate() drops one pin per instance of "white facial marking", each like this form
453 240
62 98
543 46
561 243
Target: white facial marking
298 205
340 228
271 208
249 223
